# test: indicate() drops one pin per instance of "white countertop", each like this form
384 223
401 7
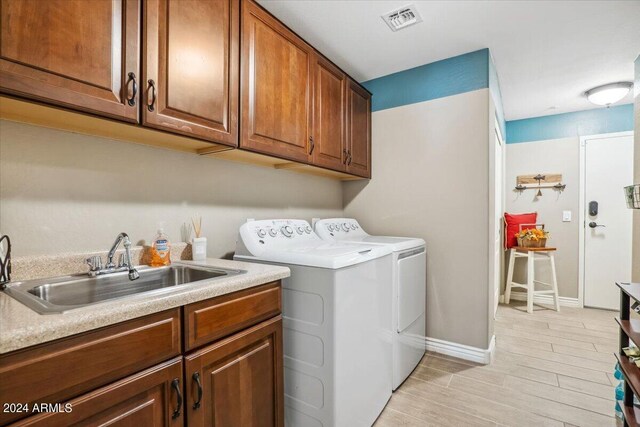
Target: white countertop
22 327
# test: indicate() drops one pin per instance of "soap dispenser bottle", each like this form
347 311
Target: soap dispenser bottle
161 250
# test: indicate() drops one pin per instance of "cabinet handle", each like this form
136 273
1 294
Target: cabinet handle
313 145
349 161
132 78
152 87
346 157
175 384
196 378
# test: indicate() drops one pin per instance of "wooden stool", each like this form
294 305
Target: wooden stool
530 254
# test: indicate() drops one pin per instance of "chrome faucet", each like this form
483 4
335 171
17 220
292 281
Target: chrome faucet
124 264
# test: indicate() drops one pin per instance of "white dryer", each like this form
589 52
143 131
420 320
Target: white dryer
336 320
409 289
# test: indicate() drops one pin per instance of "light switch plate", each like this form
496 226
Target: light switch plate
566 216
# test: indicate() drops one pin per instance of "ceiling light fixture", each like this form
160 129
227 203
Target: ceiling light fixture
608 94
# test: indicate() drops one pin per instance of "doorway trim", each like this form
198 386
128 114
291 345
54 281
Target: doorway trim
494 223
582 206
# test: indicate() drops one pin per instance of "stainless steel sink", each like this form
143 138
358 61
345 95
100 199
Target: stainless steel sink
62 294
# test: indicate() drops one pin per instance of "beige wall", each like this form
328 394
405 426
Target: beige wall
552 156
431 177
65 192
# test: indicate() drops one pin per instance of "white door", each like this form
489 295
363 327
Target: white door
498 211
608 229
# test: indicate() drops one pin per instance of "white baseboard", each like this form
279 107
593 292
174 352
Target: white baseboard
461 351
544 299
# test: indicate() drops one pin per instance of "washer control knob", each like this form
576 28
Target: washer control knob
345 227
353 226
273 232
307 229
330 227
261 233
300 229
287 231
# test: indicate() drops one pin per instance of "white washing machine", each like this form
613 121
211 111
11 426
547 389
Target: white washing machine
336 319
409 289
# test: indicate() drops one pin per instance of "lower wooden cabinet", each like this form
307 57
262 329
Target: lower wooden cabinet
66 368
151 398
212 319
238 381
134 373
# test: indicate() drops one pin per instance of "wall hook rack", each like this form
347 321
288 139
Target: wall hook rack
538 182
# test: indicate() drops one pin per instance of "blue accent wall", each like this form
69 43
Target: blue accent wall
590 122
451 76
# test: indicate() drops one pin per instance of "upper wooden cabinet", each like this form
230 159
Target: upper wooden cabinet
225 73
79 54
191 71
328 143
358 130
297 105
275 87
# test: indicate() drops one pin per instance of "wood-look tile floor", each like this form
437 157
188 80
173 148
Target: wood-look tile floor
550 369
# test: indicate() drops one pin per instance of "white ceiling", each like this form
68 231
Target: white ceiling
547 53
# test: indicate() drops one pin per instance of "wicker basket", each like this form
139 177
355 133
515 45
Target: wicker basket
528 243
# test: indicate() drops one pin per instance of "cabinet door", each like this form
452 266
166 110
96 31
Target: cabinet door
150 398
79 54
238 381
191 68
359 130
328 148
275 87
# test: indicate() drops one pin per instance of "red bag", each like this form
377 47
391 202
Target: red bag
512 223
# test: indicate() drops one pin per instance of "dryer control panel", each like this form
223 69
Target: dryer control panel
337 228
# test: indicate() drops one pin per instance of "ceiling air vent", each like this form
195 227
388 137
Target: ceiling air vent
402 18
